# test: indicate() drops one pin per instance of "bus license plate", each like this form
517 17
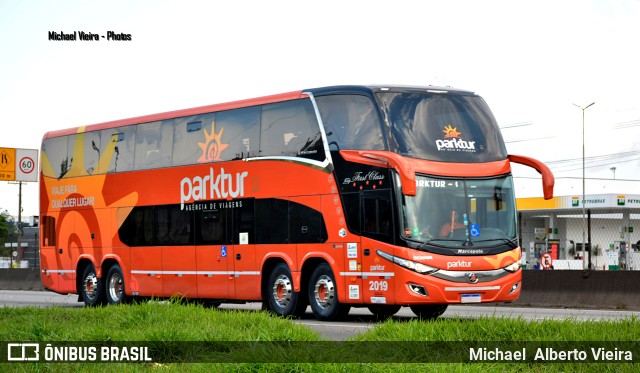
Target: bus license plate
470 298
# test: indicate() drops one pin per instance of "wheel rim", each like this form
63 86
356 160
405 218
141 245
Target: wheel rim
282 291
324 292
91 285
115 287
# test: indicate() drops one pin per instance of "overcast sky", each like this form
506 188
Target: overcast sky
530 60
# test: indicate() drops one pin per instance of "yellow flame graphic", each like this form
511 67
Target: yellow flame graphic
450 132
213 146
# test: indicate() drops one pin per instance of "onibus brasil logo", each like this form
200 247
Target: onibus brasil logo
453 142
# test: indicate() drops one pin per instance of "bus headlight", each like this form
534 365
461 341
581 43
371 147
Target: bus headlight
513 267
408 264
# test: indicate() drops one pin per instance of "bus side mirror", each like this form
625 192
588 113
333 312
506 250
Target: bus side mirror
548 180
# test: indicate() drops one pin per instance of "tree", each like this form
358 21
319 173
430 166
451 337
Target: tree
5 228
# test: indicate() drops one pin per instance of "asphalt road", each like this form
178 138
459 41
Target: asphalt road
359 320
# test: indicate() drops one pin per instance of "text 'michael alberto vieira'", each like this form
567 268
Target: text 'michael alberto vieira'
88 36
549 354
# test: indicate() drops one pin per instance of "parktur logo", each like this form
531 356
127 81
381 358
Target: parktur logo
458 264
212 186
455 143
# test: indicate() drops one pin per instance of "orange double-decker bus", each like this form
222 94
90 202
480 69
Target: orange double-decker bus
334 197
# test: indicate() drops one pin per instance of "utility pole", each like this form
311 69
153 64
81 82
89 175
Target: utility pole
19 225
584 214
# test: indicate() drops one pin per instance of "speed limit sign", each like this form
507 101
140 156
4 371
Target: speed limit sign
26 165
545 261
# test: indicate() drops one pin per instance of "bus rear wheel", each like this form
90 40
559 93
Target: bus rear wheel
429 311
115 286
323 295
282 299
92 292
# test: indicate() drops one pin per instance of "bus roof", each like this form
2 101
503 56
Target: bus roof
382 88
342 89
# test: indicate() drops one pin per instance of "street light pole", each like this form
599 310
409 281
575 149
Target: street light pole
584 221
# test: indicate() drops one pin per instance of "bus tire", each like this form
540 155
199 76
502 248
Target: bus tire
429 311
282 300
114 286
323 295
383 311
91 289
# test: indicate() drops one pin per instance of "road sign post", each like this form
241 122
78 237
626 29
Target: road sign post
19 165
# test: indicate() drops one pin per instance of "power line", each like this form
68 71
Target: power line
573 164
615 126
534 139
628 124
514 125
595 157
576 178
601 165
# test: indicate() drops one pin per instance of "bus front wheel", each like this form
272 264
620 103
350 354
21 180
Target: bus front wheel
383 312
92 292
429 311
115 285
282 299
323 295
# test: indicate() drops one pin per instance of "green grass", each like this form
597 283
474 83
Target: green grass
182 332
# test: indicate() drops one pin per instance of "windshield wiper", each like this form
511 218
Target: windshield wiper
512 242
433 240
429 242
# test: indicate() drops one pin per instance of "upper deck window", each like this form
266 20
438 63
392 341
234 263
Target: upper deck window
55 150
154 142
350 122
290 129
120 142
442 127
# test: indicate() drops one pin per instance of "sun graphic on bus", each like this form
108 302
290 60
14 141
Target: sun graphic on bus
212 147
451 132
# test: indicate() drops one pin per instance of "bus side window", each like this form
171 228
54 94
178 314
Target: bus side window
137 228
154 145
162 225
306 225
377 215
211 227
180 231
48 230
193 133
351 122
55 152
243 222
352 211
92 153
272 221
241 132
290 129
120 143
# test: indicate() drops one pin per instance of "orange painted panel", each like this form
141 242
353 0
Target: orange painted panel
146 271
179 275
246 273
213 278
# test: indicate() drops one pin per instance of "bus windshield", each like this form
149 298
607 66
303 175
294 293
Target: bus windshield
461 212
442 127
